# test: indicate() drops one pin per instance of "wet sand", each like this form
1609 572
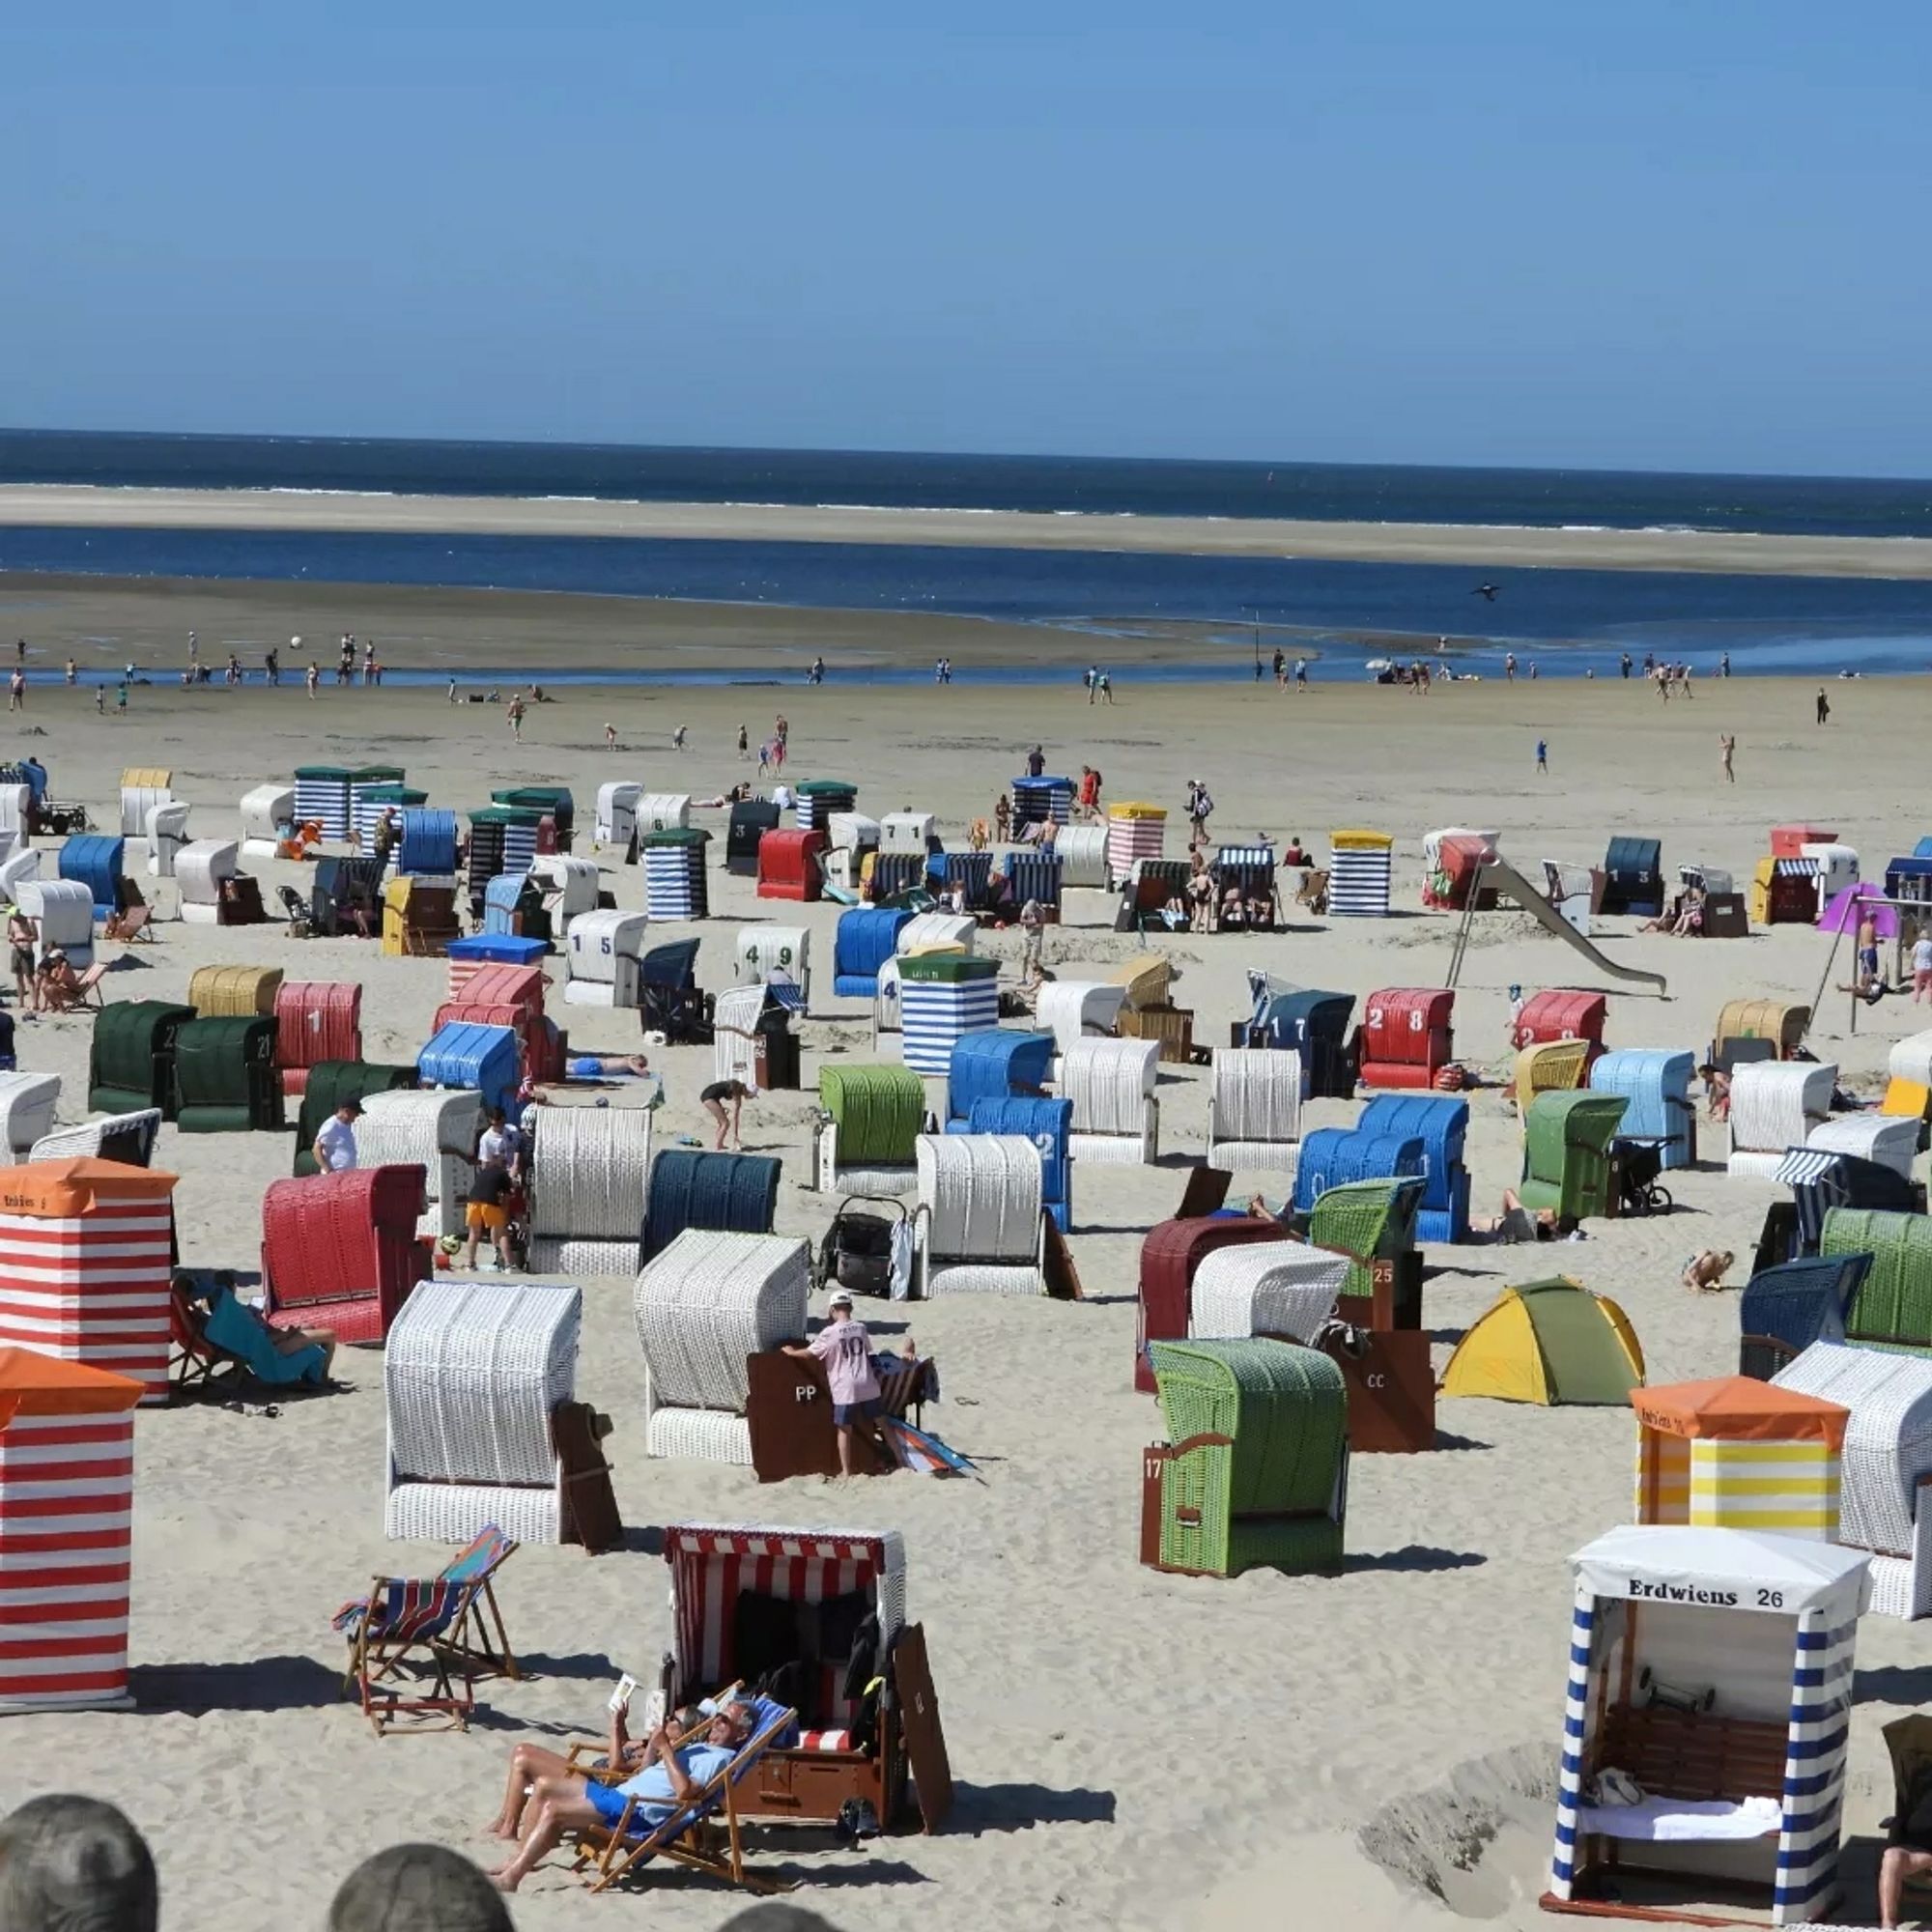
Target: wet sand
78 506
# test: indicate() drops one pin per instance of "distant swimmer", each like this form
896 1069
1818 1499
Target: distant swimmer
1488 590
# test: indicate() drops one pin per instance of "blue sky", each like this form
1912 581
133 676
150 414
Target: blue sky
1688 235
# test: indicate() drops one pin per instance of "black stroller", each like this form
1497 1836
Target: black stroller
1639 1163
857 1251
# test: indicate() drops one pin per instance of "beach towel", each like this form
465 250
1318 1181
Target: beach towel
1664 1820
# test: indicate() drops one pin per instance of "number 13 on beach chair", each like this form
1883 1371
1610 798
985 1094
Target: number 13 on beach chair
443 1630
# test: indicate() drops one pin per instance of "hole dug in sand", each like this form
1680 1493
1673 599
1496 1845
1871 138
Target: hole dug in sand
1480 1840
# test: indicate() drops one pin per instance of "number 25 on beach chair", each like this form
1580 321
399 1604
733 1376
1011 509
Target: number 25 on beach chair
632 1842
441 1629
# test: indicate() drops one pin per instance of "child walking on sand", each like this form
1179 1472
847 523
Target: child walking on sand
1728 744
1541 756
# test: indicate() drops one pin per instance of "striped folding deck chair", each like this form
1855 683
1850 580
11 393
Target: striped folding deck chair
633 1841
444 1630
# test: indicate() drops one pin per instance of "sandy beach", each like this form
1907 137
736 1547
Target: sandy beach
1132 1750
80 506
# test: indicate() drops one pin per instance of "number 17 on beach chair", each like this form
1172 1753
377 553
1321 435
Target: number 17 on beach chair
682 1836
445 1631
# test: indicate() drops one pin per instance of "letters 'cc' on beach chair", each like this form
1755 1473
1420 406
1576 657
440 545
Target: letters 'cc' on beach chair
1255 1472
1567 1165
682 1837
445 1630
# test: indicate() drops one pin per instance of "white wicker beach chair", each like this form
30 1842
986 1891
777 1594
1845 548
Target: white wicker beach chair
734 1014
1887 1460
1070 1009
1273 1288
434 1129
17 868
588 1167
569 885
262 810
472 1372
849 830
617 820
1881 1137
979 1228
86 1141
702 1306
1082 851
664 811
905 831
1111 1084
27 1108
764 953
167 832
1254 1109
1774 1105
199 871
603 949
62 914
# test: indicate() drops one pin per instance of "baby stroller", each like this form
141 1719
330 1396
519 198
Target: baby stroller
857 1251
1639 1163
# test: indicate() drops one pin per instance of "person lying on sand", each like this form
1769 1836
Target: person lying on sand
1704 1272
560 1801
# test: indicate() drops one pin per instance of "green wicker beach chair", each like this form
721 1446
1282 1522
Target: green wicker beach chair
879 1111
1255 1471
1566 1154
1371 1220
1893 1306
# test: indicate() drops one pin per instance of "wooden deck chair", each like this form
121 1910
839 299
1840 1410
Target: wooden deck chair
222 1340
130 923
444 1629
75 999
682 1837
1314 893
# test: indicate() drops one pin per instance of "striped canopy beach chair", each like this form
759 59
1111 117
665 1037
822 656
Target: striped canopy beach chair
445 1630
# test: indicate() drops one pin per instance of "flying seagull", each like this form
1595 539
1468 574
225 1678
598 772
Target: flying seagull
1488 590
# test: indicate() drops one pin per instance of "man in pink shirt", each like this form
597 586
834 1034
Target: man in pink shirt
845 1348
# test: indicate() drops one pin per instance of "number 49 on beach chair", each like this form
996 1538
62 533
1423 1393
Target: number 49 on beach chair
444 1630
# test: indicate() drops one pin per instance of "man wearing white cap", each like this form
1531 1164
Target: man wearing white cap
846 1348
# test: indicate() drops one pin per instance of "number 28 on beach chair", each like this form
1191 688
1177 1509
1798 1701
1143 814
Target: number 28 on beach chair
444 1630
682 1836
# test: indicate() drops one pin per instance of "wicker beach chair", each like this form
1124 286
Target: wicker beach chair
27 1103
1111 1084
1254 1110
1550 1067
868 1119
979 1228
474 1373
708 1301
1255 1471
434 1129
731 1192
1882 1139
446 1630
1785 1309
1774 1105
1285 1289
1893 1303
1886 1463
128 1138
1368 1221
1567 1165
1070 1008
588 1168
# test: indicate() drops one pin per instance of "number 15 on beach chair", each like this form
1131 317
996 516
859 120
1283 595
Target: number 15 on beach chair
681 1835
442 1630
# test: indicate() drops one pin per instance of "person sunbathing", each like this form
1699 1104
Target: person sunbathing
56 985
669 1776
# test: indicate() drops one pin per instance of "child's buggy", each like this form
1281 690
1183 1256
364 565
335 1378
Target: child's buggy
857 1251
1639 1161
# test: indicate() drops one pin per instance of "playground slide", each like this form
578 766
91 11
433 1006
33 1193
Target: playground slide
1505 878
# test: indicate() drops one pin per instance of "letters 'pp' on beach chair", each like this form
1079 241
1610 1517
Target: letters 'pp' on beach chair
633 1841
444 1630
